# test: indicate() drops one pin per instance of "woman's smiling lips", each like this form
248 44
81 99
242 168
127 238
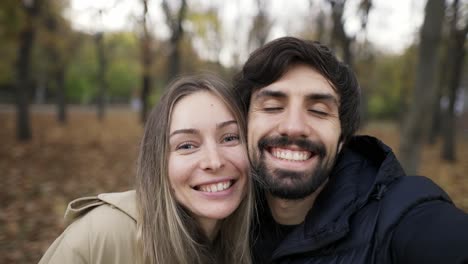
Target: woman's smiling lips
217 186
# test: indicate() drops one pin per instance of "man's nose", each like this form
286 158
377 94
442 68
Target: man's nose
212 158
294 123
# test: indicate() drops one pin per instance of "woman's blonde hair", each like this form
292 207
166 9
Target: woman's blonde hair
166 231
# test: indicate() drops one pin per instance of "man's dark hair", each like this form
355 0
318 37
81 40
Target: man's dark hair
270 62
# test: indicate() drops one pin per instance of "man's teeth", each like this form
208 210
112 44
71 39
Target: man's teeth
215 187
292 155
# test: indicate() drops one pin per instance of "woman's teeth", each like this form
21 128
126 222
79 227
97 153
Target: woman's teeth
215 187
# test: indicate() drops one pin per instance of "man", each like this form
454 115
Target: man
326 196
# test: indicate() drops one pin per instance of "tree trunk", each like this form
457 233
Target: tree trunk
174 57
457 52
23 121
23 77
40 91
147 62
261 26
57 66
416 124
102 68
436 119
61 96
339 34
320 22
437 114
176 37
144 97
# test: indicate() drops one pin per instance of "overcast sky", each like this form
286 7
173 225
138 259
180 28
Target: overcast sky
392 25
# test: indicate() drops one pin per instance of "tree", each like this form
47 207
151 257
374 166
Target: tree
320 22
177 32
416 123
345 41
436 120
57 44
23 66
11 23
339 35
456 54
81 79
261 26
206 32
124 71
146 61
101 75
102 64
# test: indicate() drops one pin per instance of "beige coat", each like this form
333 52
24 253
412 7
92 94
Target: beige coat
100 229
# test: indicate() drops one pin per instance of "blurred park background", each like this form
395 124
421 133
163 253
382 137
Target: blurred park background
77 78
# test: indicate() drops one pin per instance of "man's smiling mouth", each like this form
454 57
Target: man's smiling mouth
292 149
289 154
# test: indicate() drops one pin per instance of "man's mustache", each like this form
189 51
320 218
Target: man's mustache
283 141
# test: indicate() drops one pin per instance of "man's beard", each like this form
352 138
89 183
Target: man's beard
288 184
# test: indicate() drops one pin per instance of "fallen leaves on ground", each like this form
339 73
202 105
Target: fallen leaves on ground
39 178
87 157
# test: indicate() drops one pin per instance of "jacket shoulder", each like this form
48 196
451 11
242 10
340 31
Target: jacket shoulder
397 200
98 232
404 194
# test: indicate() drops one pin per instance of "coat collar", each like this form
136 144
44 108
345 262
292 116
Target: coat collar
362 167
124 201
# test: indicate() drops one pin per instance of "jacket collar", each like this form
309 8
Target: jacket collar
362 167
124 201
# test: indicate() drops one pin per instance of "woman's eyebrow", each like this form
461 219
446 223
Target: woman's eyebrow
196 131
184 131
226 123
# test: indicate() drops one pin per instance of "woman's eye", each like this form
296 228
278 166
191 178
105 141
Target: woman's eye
185 146
231 138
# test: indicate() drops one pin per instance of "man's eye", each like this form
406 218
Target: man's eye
318 112
272 109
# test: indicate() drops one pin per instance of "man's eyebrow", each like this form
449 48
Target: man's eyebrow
322 97
270 93
184 131
226 123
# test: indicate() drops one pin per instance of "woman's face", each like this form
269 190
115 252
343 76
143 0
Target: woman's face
207 161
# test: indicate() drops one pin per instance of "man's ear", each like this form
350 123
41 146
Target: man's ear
340 146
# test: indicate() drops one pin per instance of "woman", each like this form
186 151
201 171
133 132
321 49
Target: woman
193 199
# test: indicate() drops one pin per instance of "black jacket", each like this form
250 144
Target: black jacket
369 212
